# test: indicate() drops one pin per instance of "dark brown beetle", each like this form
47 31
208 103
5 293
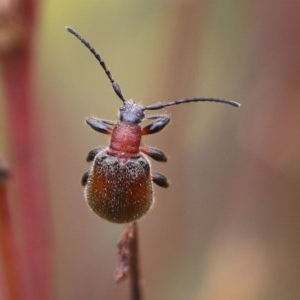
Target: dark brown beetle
118 187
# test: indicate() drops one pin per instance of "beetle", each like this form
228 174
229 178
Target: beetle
118 186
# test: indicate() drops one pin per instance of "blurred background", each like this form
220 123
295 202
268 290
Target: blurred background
228 226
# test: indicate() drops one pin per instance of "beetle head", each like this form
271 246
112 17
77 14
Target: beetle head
131 112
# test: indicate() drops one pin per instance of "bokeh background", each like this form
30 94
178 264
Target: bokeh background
228 226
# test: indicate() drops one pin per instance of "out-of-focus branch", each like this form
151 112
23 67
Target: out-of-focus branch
17 35
8 249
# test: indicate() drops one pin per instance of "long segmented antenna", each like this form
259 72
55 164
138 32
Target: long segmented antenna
160 105
115 85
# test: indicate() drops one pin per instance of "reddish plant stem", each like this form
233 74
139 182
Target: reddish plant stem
31 206
31 198
8 249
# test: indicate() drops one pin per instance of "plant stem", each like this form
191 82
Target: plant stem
135 276
129 260
31 207
8 249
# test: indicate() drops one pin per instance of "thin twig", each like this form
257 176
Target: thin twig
122 268
128 260
135 276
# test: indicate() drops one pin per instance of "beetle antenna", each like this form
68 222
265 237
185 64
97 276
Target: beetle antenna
115 85
160 105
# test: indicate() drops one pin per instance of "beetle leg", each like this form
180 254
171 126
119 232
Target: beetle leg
102 126
154 153
160 121
92 154
160 179
85 178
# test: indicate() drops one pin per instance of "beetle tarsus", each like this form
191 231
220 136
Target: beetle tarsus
92 154
154 153
85 178
160 122
160 179
102 126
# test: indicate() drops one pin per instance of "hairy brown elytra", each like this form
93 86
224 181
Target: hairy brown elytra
118 186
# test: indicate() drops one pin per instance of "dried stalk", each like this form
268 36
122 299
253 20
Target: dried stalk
129 261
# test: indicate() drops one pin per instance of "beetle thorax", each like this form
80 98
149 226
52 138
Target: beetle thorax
125 139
